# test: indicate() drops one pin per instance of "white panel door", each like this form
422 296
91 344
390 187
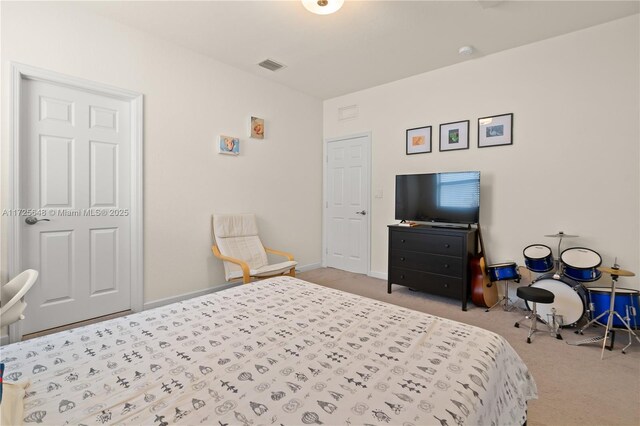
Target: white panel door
347 217
74 170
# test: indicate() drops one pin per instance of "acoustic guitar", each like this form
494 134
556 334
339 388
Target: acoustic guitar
483 292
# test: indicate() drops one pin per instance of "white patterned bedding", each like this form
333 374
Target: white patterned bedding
278 351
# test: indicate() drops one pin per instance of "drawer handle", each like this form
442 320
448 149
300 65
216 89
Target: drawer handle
403 241
446 266
446 286
402 259
447 246
402 277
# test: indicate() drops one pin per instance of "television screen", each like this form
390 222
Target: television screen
452 197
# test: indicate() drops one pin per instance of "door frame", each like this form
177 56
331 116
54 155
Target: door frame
20 73
325 198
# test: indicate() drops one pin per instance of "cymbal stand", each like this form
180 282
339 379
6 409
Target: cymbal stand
627 321
610 313
557 261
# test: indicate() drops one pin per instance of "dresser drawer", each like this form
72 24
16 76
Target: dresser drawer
436 244
437 264
432 283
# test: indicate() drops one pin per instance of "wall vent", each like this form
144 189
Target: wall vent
271 65
348 112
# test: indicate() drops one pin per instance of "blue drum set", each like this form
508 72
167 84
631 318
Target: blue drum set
565 278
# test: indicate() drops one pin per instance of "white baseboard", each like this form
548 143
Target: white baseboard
190 295
308 267
380 275
4 339
197 293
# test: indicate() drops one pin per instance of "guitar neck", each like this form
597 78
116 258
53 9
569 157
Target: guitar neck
483 252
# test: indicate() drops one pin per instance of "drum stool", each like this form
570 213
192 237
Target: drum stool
535 295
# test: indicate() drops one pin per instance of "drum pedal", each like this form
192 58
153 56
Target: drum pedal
595 339
554 322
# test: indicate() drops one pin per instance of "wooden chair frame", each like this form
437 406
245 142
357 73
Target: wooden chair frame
246 271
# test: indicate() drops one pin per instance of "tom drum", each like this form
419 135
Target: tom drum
503 271
581 264
538 258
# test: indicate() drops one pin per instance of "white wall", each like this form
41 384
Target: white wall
574 164
189 100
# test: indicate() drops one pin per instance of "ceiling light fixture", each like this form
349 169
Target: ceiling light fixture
322 7
466 51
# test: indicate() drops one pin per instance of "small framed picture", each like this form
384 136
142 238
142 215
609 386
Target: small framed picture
257 128
229 145
454 136
495 130
419 140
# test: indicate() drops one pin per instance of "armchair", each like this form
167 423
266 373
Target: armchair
238 245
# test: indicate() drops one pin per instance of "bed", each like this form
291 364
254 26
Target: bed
278 351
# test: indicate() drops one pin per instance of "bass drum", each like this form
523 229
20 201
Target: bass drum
570 299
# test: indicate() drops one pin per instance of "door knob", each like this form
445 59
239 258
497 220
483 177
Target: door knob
363 212
32 220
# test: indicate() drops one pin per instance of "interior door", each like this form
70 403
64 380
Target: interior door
347 204
74 204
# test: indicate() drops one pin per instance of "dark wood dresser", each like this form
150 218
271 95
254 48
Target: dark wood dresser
432 259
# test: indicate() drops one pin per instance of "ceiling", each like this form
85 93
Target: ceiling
364 44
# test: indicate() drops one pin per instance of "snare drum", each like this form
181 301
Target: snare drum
538 258
570 299
626 299
503 271
581 264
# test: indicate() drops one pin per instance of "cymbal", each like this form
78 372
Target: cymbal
562 235
618 272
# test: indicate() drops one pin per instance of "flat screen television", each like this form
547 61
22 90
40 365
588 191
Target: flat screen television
452 197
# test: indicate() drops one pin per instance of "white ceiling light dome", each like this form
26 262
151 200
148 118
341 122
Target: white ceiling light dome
323 7
466 50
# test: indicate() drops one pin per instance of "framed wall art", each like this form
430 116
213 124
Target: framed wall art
229 145
419 140
257 128
495 130
454 136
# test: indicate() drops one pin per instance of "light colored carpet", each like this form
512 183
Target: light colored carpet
575 387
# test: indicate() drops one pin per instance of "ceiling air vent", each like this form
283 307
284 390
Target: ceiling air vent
271 65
